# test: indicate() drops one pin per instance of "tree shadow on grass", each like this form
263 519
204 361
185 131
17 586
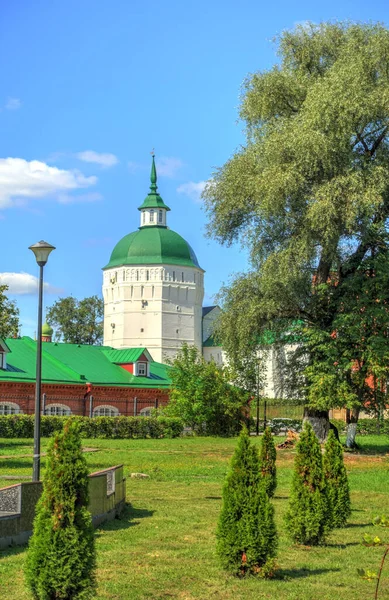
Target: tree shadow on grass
129 517
12 551
290 574
352 525
343 546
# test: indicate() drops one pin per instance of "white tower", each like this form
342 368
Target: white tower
153 286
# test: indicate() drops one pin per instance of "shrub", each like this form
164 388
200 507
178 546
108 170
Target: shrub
61 555
337 482
22 426
246 533
308 516
267 459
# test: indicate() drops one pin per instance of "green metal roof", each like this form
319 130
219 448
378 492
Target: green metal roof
76 364
153 245
153 200
125 355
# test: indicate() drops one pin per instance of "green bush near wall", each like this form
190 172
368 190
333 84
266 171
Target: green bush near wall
22 426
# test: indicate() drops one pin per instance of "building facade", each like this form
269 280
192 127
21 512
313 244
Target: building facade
153 286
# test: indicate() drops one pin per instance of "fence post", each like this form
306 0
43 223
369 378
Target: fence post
135 406
43 403
91 406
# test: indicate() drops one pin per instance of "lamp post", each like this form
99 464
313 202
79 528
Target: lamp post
41 250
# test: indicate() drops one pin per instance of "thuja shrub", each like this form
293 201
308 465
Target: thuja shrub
22 426
246 533
267 459
61 555
337 483
308 518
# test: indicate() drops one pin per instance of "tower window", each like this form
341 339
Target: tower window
160 217
151 216
194 277
147 275
182 276
137 275
144 217
174 275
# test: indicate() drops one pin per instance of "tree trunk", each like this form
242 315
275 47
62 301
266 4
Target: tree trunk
352 420
319 419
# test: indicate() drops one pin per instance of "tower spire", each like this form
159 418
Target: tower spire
153 174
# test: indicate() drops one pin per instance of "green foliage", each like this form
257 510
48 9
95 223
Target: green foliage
371 540
77 321
337 483
382 521
61 555
22 426
308 194
9 315
267 460
308 518
202 396
246 533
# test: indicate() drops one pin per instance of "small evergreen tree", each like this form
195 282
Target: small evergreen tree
246 533
309 515
61 556
337 483
267 458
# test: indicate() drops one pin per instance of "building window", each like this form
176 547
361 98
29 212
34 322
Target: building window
146 412
105 411
182 276
137 275
194 277
147 275
174 275
160 217
58 410
142 369
9 408
151 216
144 217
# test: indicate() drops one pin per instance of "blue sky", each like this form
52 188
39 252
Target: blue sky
88 88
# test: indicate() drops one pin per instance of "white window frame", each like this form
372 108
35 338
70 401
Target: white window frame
151 217
141 366
9 408
160 217
57 410
103 409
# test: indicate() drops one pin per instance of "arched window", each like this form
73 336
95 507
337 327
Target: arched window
105 410
160 217
9 408
151 216
146 412
59 410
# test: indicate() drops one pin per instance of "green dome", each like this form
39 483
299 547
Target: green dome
47 330
153 245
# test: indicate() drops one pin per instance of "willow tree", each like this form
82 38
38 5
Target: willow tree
308 194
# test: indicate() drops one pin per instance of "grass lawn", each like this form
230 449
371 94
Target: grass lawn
164 545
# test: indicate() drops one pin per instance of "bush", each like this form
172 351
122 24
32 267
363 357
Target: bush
281 425
267 459
246 533
61 555
309 515
22 426
337 482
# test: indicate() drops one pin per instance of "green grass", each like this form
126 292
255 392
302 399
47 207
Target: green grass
164 545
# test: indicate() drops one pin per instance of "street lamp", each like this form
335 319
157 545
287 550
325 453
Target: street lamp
41 250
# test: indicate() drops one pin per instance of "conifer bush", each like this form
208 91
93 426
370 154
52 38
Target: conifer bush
337 483
61 555
308 518
267 458
246 533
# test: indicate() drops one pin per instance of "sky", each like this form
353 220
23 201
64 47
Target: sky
88 89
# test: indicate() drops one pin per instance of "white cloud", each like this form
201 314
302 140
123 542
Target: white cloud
22 180
168 166
24 283
98 158
13 103
192 189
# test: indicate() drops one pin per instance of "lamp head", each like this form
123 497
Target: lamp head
41 250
